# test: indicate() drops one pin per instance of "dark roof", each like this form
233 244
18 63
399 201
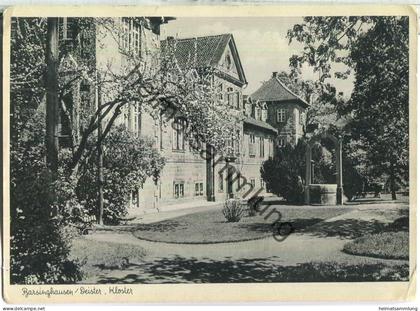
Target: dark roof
258 123
275 90
209 49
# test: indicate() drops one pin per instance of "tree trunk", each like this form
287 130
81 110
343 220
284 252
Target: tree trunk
52 107
392 182
100 166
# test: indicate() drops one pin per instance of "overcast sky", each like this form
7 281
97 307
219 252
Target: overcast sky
261 42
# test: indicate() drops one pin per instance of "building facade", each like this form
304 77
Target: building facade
286 110
187 176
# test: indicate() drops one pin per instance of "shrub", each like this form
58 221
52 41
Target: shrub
353 181
38 244
128 161
282 174
232 210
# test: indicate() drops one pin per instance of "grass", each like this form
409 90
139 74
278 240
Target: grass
192 270
96 256
211 226
387 245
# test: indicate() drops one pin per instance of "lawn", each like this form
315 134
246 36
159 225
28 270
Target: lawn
211 227
387 245
96 256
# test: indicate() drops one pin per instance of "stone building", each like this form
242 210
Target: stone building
187 177
286 110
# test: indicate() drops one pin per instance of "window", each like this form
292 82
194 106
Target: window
301 118
125 36
237 101
262 184
251 145
252 183
132 118
270 147
262 147
282 142
136 39
221 181
228 62
178 142
220 91
281 115
230 96
130 36
179 189
65 28
199 189
258 116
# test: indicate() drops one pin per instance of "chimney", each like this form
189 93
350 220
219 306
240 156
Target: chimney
275 74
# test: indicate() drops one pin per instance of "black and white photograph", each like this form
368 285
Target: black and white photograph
209 149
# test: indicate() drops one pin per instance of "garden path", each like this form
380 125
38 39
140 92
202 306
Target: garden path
322 242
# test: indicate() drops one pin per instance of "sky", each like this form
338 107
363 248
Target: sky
261 43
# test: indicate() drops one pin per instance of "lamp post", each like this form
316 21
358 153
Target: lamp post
339 164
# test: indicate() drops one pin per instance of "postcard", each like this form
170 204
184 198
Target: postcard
223 153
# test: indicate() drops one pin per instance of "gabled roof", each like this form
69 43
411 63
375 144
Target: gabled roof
209 51
275 90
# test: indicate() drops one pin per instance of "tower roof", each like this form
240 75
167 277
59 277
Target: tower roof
275 90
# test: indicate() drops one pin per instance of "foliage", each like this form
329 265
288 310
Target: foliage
327 41
380 119
285 173
39 241
156 84
354 183
253 205
152 81
388 245
375 51
127 162
232 210
322 113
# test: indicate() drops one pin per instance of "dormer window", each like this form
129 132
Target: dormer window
259 114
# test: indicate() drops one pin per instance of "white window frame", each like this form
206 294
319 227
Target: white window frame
281 115
179 189
178 137
301 117
252 145
262 149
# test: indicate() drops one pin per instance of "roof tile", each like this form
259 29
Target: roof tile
275 90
